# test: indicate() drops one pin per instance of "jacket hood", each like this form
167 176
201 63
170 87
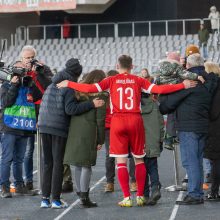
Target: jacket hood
167 68
211 80
63 75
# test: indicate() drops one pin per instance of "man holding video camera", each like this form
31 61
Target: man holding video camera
18 122
41 77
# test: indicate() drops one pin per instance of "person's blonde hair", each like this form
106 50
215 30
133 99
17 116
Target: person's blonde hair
212 67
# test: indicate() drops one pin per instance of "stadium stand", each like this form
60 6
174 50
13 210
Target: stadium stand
102 52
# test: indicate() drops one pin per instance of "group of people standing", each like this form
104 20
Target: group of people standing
122 111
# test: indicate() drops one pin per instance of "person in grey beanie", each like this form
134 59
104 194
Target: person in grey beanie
56 108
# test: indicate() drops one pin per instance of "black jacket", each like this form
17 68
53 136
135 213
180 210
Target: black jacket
191 105
212 148
58 105
8 96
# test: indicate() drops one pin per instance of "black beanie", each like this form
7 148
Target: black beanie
73 67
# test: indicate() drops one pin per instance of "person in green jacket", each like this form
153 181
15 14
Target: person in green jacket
154 133
84 140
203 35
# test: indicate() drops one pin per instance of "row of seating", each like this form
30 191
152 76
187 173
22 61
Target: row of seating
103 52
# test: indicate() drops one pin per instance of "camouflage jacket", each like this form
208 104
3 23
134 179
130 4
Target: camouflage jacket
171 72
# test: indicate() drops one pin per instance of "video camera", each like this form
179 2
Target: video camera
6 74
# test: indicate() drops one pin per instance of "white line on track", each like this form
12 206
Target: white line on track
77 201
176 207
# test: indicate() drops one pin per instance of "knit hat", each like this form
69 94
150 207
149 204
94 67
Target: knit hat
173 56
73 67
191 49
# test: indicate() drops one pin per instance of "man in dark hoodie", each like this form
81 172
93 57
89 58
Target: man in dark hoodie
56 108
192 114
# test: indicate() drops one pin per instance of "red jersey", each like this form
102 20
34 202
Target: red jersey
125 90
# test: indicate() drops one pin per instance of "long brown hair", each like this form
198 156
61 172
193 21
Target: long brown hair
94 76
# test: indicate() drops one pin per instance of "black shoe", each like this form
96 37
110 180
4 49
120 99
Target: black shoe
29 186
5 193
85 201
67 187
156 194
188 200
21 190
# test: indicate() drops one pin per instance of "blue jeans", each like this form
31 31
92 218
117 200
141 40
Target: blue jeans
152 175
191 148
13 149
28 159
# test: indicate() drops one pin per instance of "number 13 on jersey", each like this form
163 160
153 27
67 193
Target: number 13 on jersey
126 96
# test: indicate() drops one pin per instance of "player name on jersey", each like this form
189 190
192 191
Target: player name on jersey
125 81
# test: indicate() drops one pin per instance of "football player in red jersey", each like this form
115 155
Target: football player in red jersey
127 127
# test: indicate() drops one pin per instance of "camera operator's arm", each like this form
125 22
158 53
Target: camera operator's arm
44 76
9 92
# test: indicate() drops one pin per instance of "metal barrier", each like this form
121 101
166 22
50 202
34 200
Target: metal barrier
120 29
178 184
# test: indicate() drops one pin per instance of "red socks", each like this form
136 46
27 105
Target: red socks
123 178
140 175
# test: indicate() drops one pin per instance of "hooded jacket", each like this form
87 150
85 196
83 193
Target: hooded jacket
58 105
192 105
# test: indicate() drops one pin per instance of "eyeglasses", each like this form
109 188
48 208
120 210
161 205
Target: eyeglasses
29 58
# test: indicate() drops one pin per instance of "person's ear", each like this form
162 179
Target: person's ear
117 66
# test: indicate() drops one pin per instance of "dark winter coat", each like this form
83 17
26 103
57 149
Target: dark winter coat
8 96
192 105
153 124
58 105
81 148
212 148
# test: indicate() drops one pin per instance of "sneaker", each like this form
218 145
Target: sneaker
5 193
141 201
59 204
109 187
126 202
45 203
156 194
189 200
67 187
205 186
21 190
29 186
133 187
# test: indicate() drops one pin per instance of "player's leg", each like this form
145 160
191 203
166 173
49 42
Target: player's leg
119 149
137 142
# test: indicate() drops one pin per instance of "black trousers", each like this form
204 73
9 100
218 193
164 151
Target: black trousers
53 151
215 174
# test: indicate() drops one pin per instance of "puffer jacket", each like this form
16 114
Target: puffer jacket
58 105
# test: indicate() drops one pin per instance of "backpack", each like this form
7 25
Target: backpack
22 114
